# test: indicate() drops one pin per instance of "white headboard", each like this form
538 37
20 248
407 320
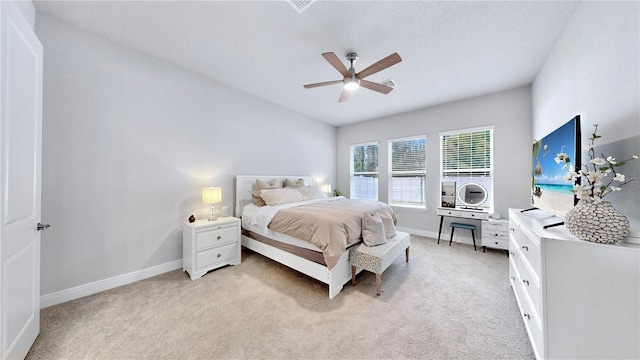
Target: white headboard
246 183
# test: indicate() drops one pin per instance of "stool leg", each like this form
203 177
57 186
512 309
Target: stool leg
406 253
474 239
353 275
378 283
451 239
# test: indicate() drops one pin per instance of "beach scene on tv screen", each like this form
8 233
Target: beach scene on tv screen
550 190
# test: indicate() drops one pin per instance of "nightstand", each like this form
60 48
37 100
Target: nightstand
495 234
207 245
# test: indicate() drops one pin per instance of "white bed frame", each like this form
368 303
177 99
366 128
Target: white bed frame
335 278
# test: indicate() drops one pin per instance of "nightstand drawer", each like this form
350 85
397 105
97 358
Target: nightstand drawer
218 235
496 242
221 254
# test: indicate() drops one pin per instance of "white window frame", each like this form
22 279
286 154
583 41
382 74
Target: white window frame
489 184
353 181
391 173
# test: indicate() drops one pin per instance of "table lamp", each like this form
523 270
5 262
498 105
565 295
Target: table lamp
212 195
326 188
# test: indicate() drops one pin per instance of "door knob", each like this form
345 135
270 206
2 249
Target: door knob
42 227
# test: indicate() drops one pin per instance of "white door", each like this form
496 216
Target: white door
20 165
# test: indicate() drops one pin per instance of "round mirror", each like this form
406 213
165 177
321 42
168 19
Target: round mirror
472 194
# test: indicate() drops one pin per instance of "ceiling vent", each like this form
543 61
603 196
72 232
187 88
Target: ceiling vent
390 83
300 5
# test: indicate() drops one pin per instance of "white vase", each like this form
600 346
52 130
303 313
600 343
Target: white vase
597 222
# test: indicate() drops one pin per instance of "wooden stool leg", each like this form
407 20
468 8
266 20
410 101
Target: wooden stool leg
378 283
406 252
353 275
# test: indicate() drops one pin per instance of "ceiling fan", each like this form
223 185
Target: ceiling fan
353 80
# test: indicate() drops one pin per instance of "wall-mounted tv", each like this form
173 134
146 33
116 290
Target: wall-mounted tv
553 156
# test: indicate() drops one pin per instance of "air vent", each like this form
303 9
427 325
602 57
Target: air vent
390 83
300 5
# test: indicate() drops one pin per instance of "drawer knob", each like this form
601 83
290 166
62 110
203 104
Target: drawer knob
495 242
512 253
219 255
525 247
495 234
219 237
512 229
527 316
525 281
513 278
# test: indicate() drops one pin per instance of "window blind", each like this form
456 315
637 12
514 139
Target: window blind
408 172
466 157
364 171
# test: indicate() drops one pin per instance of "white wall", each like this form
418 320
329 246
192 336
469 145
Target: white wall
128 143
594 71
509 111
28 10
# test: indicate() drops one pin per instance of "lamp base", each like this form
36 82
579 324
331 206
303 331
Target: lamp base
212 215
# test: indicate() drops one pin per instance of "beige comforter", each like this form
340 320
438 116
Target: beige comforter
331 225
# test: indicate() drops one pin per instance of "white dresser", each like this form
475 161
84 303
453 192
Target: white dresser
578 299
207 245
495 234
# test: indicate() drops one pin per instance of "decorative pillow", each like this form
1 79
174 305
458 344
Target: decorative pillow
281 196
312 192
373 230
256 197
389 226
293 183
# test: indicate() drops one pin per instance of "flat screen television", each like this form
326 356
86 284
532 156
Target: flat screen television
553 156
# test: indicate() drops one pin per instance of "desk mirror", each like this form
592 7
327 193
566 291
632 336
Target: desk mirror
472 194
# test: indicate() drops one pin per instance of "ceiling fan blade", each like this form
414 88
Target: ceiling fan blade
380 65
344 96
375 86
335 61
309 86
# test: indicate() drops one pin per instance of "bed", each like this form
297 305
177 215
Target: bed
290 251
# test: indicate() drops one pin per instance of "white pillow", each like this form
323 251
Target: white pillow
373 230
312 192
389 226
281 196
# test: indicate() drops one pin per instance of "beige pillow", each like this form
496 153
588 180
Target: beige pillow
312 192
373 230
293 182
256 197
281 196
389 226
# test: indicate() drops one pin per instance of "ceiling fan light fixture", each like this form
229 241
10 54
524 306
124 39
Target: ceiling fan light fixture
351 84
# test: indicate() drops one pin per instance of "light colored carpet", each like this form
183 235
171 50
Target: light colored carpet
447 302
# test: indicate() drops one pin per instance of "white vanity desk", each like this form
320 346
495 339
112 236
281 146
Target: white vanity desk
460 212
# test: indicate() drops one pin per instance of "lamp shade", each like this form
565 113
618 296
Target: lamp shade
326 188
211 195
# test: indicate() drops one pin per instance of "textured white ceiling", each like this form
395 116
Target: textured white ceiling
451 50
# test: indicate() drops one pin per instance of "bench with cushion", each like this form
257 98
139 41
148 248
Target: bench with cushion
377 259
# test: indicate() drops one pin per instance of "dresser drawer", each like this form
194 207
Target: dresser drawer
528 313
529 248
218 235
530 282
221 254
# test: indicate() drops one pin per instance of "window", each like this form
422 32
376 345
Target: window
364 171
408 172
467 157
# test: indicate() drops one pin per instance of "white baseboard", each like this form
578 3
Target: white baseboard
95 287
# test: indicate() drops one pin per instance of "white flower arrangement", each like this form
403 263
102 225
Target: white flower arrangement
600 174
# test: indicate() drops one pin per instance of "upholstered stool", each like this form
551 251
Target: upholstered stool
455 225
378 258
